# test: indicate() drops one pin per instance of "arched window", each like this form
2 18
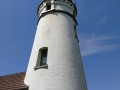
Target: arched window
42 58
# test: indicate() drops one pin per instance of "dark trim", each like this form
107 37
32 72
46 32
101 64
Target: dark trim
53 10
38 67
62 1
77 38
24 88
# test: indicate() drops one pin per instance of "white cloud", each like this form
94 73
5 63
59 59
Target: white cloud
95 44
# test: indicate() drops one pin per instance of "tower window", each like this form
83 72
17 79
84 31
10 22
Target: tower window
48 6
74 27
76 33
42 58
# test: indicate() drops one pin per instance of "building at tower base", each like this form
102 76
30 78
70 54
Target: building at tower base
13 82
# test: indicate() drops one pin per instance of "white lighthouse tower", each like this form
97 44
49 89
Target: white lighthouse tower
55 62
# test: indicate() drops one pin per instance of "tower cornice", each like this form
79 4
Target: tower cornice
62 6
52 11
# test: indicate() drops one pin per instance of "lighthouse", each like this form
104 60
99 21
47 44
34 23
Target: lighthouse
55 61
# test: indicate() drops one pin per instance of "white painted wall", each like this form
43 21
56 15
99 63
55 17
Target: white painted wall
65 72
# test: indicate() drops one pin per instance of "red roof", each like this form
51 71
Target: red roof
13 82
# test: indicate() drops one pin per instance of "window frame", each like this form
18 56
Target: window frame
39 59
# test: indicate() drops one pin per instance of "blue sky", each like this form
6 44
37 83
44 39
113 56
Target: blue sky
98 30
